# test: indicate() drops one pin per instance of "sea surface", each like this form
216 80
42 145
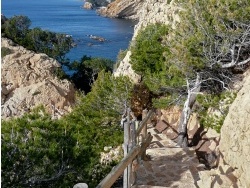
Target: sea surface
68 16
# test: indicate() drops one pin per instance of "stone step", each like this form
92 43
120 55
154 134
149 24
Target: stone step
169 165
174 185
146 186
161 140
158 173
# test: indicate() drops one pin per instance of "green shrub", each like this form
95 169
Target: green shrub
120 57
40 152
55 45
147 49
213 109
149 52
86 71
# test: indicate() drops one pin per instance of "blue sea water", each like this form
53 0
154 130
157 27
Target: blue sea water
67 16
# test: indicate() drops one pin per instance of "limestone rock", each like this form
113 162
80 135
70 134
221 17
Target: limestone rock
111 154
125 69
235 142
81 185
28 81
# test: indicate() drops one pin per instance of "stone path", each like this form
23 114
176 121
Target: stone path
169 166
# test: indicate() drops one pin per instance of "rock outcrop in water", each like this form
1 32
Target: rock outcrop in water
88 5
28 80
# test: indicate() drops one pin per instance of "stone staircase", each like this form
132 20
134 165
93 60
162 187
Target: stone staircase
168 165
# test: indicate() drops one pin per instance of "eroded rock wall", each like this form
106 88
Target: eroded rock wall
234 165
28 80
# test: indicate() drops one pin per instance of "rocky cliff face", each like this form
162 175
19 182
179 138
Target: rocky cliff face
147 12
27 80
122 9
234 165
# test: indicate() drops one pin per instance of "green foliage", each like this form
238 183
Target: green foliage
120 57
86 71
53 44
108 97
147 50
59 73
148 58
202 43
5 51
213 108
208 32
99 112
40 152
16 28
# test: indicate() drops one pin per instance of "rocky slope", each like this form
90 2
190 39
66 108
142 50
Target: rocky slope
27 80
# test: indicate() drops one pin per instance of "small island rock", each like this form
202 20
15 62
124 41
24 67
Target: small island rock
88 5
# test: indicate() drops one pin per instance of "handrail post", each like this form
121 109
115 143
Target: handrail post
144 130
133 144
125 148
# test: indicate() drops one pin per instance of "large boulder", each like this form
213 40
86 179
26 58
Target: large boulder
28 80
235 141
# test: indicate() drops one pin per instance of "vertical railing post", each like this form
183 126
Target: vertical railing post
125 148
129 148
133 144
144 130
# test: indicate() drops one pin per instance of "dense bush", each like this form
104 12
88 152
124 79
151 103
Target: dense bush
211 41
149 60
147 50
40 152
86 71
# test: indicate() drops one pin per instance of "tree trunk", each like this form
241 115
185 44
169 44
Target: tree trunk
186 112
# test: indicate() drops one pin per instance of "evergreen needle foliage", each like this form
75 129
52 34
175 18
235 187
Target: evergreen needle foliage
40 152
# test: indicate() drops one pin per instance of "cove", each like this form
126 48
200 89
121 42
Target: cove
68 17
